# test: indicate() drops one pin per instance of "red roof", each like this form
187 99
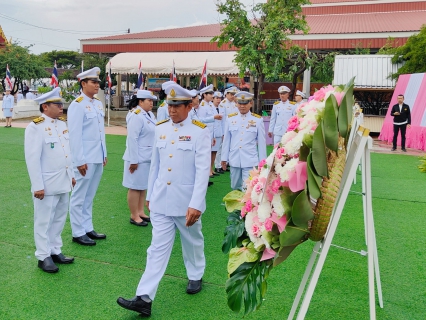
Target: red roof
319 24
336 1
366 22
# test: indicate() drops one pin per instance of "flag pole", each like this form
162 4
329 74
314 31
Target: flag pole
109 90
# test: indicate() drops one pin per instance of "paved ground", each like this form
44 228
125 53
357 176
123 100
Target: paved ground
118 127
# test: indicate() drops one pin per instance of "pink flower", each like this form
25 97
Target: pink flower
281 222
255 229
258 188
293 123
243 212
248 206
275 185
300 107
339 96
279 153
319 95
268 253
262 163
268 224
297 179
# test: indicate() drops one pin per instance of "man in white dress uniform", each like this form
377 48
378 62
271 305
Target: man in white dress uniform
47 154
244 144
282 111
177 188
89 156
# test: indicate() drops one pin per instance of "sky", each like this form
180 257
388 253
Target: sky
29 22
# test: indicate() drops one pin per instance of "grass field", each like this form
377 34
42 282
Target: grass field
88 289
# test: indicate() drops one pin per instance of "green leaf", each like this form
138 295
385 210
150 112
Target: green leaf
314 180
287 199
237 256
233 231
331 133
233 200
307 140
247 286
319 158
349 97
293 235
304 151
283 254
302 210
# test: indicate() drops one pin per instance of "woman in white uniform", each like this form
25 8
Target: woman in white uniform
137 157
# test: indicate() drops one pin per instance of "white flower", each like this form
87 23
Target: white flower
277 204
287 137
264 210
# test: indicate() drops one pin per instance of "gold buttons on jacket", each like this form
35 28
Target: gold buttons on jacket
169 183
173 142
170 155
169 169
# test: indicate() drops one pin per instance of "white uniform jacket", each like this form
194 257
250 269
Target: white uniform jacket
163 111
219 124
47 154
229 107
140 136
281 113
206 113
244 143
87 132
180 168
8 101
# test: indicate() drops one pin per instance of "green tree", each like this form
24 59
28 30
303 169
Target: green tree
412 54
263 40
64 59
22 65
94 60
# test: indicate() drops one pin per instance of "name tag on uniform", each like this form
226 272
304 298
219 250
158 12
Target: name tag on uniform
184 138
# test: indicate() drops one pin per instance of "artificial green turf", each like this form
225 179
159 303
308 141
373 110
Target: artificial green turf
88 288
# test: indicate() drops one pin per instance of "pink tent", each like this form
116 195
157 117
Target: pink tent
413 87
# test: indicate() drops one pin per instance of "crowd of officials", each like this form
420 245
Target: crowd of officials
203 132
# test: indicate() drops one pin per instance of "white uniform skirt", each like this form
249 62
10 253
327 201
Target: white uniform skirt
137 180
7 113
218 144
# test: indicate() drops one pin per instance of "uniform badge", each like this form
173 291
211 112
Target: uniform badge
252 123
65 131
184 138
88 108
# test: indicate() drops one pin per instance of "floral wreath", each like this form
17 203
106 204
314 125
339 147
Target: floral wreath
290 196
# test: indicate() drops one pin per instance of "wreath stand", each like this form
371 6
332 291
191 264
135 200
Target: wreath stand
359 146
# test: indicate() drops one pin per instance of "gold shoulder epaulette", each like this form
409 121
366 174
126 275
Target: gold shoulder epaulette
38 120
292 102
162 121
79 99
232 114
256 115
62 119
137 111
202 103
276 102
162 105
96 98
199 124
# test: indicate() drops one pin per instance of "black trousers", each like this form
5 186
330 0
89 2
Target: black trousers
396 129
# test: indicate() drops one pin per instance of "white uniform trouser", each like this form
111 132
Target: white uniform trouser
49 220
217 162
163 236
238 177
81 202
277 139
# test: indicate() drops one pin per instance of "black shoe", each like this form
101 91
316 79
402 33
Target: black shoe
216 174
139 224
47 265
141 304
209 184
60 258
405 150
194 286
146 219
220 170
95 236
393 149
84 240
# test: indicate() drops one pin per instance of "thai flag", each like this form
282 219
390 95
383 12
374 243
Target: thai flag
173 76
140 77
8 77
109 77
203 81
54 81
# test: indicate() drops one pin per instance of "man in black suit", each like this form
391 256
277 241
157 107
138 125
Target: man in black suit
402 119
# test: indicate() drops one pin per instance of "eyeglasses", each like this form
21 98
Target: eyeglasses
59 105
